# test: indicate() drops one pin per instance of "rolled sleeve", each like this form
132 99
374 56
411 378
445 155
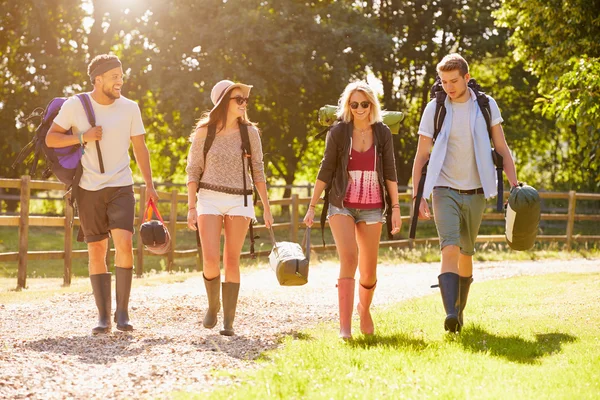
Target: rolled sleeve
426 127
495 110
195 160
258 166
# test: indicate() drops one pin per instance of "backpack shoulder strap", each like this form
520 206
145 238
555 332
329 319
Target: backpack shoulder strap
484 105
89 112
210 138
87 106
440 113
247 154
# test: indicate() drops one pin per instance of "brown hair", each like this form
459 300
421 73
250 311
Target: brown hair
453 62
218 116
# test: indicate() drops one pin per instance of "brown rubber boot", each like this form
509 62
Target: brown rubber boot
365 298
101 289
346 304
213 292
230 298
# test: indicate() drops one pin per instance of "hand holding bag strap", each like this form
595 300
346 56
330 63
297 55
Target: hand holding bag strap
306 243
272 234
150 207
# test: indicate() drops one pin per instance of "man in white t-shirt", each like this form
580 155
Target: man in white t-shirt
461 175
105 200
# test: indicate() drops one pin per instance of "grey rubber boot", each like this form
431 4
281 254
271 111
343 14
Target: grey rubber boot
449 287
123 289
230 298
213 292
101 289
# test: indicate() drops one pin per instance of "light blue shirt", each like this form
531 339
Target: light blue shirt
481 144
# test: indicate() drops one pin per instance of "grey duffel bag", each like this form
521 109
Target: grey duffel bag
522 213
289 262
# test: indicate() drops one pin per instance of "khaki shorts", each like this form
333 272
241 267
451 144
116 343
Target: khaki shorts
103 210
457 218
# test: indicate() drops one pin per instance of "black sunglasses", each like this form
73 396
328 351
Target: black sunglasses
363 104
240 100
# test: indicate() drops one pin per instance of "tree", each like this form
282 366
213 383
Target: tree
558 42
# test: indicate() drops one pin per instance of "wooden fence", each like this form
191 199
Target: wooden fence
24 221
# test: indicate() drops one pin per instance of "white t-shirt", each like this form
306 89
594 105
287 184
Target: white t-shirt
459 169
481 144
119 121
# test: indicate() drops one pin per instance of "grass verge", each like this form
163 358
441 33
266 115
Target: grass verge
527 338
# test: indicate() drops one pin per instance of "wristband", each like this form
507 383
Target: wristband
81 143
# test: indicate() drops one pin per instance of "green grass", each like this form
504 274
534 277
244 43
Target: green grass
527 338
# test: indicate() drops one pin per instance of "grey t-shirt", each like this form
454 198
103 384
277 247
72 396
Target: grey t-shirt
119 121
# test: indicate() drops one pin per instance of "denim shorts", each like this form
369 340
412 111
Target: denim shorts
370 216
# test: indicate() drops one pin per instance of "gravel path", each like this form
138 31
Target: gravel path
47 351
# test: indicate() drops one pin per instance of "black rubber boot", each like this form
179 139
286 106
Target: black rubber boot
464 286
123 289
230 298
101 289
213 292
449 287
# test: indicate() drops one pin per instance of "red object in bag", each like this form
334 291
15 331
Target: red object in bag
155 235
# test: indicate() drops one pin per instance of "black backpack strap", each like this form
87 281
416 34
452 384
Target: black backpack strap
89 111
484 105
247 154
210 138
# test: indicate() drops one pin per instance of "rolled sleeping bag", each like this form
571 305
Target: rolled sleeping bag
522 214
327 116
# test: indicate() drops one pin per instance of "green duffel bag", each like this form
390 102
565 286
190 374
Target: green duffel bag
522 214
327 116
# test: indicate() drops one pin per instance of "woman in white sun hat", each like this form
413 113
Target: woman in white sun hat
220 193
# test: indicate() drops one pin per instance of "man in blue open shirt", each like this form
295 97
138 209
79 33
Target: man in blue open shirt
461 175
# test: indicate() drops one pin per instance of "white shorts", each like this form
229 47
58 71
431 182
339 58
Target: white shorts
217 203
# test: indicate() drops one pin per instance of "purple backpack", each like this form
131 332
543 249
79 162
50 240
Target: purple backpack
64 162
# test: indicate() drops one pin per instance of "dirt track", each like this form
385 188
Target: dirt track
47 351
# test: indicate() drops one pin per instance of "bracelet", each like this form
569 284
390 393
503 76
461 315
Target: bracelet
81 143
311 206
191 208
397 205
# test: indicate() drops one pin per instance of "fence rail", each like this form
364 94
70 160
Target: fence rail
24 221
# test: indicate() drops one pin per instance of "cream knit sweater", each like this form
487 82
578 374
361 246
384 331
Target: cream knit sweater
222 171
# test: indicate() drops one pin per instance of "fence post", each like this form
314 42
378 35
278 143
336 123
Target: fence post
570 218
68 241
173 228
23 232
139 266
294 219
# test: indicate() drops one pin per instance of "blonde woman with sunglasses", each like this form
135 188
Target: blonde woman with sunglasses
220 194
358 175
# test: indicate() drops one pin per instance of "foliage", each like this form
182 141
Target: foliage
558 42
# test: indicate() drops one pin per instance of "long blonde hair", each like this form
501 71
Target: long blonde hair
218 116
344 102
